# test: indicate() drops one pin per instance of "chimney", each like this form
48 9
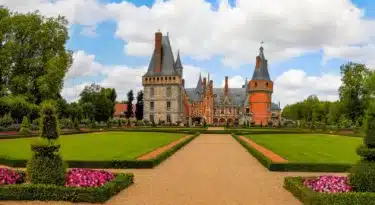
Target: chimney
211 87
158 37
226 85
258 61
183 82
204 83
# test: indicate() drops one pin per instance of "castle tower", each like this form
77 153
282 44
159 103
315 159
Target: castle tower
163 84
260 91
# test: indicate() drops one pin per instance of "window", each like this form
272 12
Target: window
222 111
269 107
152 105
174 78
230 110
168 92
266 84
168 105
256 84
168 118
152 118
152 92
238 111
247 110
214 110
237 96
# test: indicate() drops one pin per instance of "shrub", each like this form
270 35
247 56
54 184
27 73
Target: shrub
76 124
25 126
49 123
66 123
362 175
14 127
6 120
46 166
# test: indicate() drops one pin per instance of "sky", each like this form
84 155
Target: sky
305 41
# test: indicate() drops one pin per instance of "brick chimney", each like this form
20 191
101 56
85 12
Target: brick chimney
183 82
211 87
204 83
258 61
158 38
226 86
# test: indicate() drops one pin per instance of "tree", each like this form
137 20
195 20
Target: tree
25 126
129 111
139 106
34 59
353 92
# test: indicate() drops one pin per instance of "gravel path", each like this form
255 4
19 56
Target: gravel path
212 169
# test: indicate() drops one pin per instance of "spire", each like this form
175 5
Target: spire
208 79
178 63
261 67
199 84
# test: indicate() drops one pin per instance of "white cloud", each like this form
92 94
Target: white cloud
295 85
362 54
89 31
121 77
234 82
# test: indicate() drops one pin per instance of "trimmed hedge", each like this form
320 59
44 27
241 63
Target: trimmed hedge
294 166
116 164
309 197
61 193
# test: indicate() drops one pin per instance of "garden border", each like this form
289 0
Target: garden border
309 197
115 164
292 166
43 192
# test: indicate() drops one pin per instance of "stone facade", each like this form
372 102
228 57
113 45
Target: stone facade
166 98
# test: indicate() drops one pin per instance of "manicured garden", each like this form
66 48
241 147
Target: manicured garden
315 148
95 146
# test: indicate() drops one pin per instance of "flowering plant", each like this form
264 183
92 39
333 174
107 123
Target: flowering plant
88 178
8 176
328 184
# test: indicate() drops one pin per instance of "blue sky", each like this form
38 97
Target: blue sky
299 36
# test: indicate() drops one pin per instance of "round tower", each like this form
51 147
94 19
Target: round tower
260 91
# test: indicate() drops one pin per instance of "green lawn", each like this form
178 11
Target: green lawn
95 146
311 147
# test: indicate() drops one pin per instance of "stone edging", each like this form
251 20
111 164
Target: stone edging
273 157
160 150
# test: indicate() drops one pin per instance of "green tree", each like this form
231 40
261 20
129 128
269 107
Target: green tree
25 126
139 106
353 92
129 112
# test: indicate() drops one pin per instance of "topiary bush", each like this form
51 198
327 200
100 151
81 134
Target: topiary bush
362 175
25 126
46 165
76 124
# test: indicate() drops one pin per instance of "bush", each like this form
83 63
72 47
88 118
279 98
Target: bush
6 120
14 127
25 126
46 166
49 123
66 123
362 176
76 124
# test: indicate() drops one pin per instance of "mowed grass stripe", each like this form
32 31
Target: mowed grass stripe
95 146
311 147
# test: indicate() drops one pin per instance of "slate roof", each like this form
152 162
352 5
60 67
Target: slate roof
168 63
261 73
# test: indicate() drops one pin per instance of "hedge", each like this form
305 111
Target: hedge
43 192
293 166
309 197
116 164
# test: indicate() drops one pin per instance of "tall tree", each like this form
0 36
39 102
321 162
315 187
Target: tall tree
129 111
34 59
353 92
139 106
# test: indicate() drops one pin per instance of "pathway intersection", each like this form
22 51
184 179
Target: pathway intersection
213 169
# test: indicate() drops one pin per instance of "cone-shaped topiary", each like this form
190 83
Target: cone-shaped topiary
362 175
49 123
76 124
25 126
46 165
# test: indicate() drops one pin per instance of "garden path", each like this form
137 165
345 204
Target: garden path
212 169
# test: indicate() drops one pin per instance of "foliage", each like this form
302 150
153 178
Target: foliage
76 124
6 120
44 192
18 106
33 55
129 112
139 106
66 123
49 122
25 126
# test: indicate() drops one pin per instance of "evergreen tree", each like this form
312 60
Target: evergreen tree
139 106
129 111
25 126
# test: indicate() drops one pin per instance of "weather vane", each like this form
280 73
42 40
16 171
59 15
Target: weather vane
261 43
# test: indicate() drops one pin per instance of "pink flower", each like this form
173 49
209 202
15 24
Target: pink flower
328 184
8 176
88 178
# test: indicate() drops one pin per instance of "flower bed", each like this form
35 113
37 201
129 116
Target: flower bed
326 190
82 185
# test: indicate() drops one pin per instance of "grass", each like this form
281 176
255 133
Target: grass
95 146
318 148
